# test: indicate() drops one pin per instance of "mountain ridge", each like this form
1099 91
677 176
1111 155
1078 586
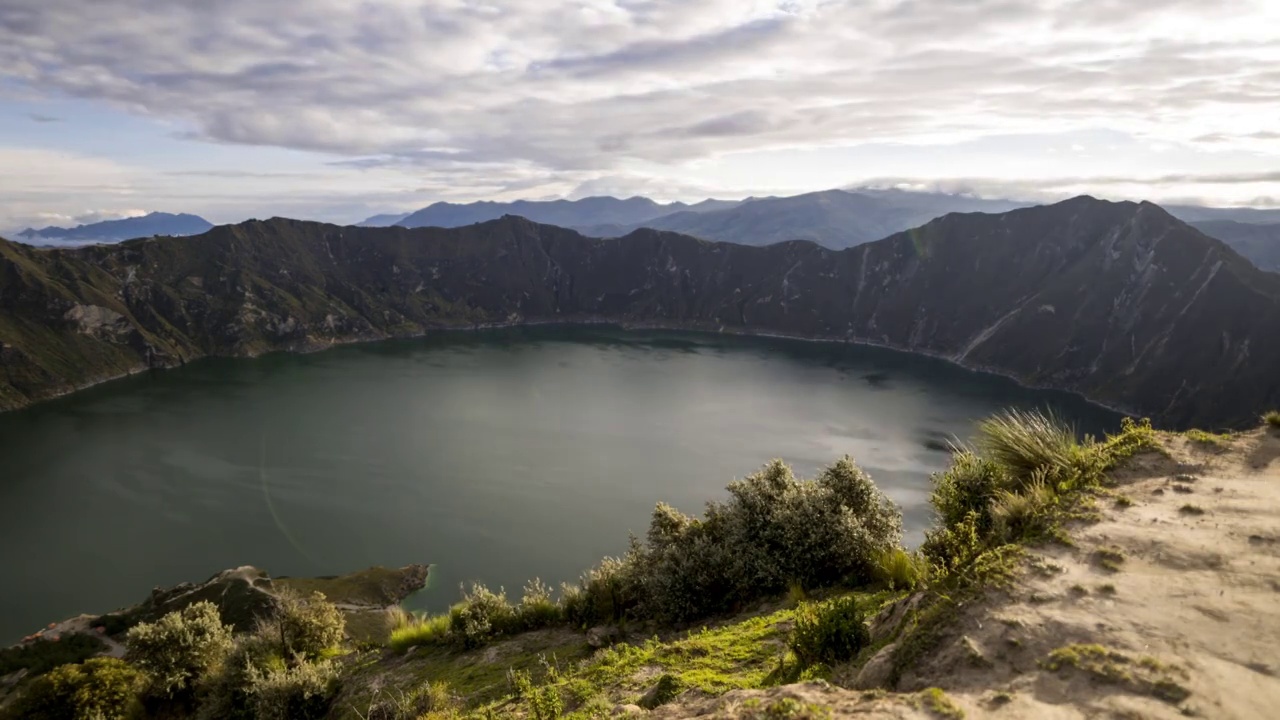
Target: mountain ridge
1172 323
155 223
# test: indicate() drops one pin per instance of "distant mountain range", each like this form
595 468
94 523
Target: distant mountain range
1120 302
1260 243
832 218
574 214
156 223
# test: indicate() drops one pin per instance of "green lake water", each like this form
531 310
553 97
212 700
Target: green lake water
495 456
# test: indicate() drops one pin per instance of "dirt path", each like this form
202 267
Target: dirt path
1168 607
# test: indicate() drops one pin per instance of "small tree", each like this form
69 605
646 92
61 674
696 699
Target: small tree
303 627
179 648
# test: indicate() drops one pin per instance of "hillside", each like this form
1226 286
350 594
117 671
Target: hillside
156 223
1259 243
832 218
1117 301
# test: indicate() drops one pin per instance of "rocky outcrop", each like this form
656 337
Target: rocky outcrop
1120 302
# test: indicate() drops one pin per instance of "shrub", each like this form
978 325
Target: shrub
303 627
482 614
100 689
299 692
968 486
537 609
949 547
180 647
224 694
1272 419
775 531
1024 442
608 592
829 632
544 703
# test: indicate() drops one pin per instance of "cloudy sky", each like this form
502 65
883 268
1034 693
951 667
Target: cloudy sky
336 109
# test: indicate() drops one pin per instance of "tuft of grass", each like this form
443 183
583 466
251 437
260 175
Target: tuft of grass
1109 559
1190 509
1202 437
410 631
1272 419
1107 589
941 704
1123 501
899 569
1027 441
1100 662
829 633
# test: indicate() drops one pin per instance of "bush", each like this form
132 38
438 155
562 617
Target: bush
537 609
608 592
775 531
829 632
100 689
298 692
1272 419
968 486
482 615
303 627
180 647
949 547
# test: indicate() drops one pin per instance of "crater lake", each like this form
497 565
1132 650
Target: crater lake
495 456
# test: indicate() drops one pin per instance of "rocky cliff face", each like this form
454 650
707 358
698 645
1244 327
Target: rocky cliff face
1118 301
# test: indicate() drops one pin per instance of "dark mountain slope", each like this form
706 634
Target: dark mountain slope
1118 301
155 223
1259 243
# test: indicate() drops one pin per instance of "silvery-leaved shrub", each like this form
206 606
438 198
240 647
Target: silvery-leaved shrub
179 648
775 531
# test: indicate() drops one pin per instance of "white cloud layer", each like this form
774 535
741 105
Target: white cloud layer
531 97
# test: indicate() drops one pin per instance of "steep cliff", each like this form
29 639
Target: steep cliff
1118 301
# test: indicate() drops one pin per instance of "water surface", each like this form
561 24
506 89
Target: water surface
496 456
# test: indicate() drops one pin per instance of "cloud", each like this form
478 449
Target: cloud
542 96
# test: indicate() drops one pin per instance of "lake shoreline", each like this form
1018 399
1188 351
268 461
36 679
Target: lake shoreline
588 321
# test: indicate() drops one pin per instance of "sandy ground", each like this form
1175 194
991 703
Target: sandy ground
1186 620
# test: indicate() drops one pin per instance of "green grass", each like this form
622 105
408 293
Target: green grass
940 704
1109 559
410 631
1146 675
373 586
1272 419
1202 437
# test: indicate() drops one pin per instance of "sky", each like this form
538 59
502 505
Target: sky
339 109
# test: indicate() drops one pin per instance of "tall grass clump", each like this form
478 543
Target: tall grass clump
829 632
1272 419
410 631
1024 442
